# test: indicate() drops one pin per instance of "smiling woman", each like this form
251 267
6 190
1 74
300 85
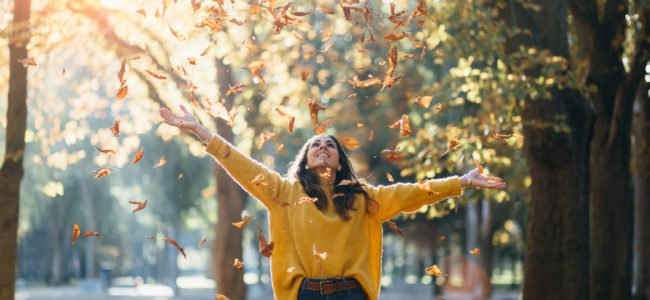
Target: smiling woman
330 247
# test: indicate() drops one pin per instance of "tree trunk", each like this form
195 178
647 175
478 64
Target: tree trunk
11 172
231 202
641 167
91 225
556 261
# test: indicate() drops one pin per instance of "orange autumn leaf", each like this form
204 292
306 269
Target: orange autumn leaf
142 12
92 233
391 155
453 144
122 91
139 205
26 62
291 118
202 242
102 172
404 125
390 177
238 264
433 270
314 108
161 162
175 244
304 74
504 136
355 82
326 10
191 60
116 128
236 89
306 200
138 156
155 75
424 101
213 24
105 151
177 35
280 148
425 186
75 233
349 143
478 165
220 297
255 68
391 37
442 237
205 52
243 222
392 62
265 137
475 252
396 229
266 249
320 128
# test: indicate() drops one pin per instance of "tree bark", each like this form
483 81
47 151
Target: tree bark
230 203
641 175
611 201
11 172
556 260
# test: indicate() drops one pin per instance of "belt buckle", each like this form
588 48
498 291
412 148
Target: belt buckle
321 287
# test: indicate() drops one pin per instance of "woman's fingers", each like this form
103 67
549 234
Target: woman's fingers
494 179
185 110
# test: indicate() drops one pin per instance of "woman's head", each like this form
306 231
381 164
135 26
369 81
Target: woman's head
312 161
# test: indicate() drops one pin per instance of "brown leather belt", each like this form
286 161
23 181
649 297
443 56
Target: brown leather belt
329 286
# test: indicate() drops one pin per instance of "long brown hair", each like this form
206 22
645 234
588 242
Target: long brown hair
310 181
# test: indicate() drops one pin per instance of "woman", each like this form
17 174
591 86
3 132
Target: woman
326 225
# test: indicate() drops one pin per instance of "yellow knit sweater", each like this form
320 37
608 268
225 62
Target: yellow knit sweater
353 247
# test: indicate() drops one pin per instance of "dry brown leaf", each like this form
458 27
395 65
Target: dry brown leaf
349 142
478 165
265 137
138 156
177 35
139 205
116 128
255 68
396 229
243 222
355 82
404 125
102 172
155 75
161 162
122 91
326 10
92 233
266 249
175 244
314 108
433 270
391 155
202 242
75 233
475 252
424 101
105 151
238 264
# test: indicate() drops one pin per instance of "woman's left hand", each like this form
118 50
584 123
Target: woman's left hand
475 179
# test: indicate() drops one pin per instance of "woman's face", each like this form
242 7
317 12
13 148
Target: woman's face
322 154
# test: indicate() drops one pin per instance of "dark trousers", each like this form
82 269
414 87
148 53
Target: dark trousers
356 293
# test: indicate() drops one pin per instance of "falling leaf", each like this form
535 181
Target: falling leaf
404 125
202 242
425 186
138 156
304 74
92 233
389 80
320 128
320 256
175 244
157 76
391 37
326 10
504 136
314 108
27 62
349 143
326 37
280 148
122 91
102 172
475 252
255 68
433 270
161 162
391 155
120 74
177 35
191 60
355 82
142 12
220 297
205 52
306 199
238 264
478 165
265 137
243 222
291 118
424 101
438 106
396 229
139 205
235 21
75 233
236 89
105 151
453 144
390 177
442 237
116 128
266 249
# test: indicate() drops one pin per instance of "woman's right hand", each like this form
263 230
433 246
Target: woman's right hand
188 121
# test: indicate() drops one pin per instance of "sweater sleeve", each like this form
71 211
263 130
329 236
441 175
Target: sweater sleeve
408 197
257 179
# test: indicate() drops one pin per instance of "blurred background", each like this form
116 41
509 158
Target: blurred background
552 96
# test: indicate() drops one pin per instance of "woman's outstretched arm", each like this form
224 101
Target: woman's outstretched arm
257 179
407 197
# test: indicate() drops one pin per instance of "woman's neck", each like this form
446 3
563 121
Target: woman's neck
326 178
